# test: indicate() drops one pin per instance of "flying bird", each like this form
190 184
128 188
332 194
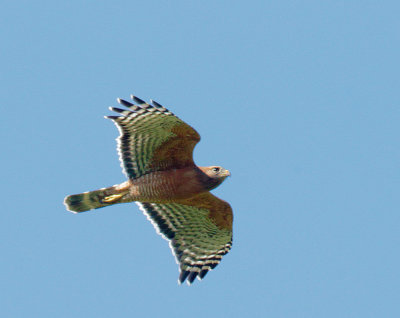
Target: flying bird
156 152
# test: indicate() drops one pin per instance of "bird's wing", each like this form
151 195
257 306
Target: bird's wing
152 138
199 230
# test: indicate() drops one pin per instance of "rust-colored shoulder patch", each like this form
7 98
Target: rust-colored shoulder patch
220 210
177 151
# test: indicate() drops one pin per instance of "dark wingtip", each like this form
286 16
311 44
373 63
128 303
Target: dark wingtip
118 110
112 117
203 273
213 265
124 102
183 276
156 104
192 277
138 100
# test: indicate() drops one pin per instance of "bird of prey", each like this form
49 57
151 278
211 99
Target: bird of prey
156 152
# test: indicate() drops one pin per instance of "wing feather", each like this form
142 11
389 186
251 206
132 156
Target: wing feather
197 238
152 138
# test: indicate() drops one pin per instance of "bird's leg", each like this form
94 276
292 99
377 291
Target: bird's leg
112 198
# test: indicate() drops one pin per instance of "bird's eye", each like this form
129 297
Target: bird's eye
216 169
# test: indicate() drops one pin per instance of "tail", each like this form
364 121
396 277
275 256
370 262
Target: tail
97 199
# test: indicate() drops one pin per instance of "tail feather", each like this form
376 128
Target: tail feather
96 199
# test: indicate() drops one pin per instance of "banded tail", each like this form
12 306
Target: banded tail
96 199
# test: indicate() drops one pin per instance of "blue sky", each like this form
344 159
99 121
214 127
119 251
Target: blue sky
298 99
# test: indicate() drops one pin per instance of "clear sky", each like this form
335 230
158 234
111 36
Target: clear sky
300 100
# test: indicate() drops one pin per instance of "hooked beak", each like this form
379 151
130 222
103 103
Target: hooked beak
227 173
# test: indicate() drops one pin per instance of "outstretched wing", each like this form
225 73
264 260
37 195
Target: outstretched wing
199 231
152 138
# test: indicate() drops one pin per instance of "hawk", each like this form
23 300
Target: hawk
156 152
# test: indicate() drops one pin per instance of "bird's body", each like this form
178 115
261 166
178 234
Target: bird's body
171 185
158 187
155 149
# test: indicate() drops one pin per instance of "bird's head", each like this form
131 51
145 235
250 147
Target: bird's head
216 175
217 172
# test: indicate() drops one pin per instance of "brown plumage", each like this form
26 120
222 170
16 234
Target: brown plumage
156 153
